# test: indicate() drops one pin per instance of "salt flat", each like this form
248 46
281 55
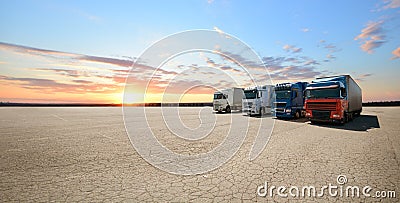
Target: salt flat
84 154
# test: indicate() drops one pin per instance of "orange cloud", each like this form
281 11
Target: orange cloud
371 36
392 4
292 48
396 53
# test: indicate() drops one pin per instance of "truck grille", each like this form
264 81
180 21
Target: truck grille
322 115
280 105
330 106
247 104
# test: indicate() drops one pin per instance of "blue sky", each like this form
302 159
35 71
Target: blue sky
322 37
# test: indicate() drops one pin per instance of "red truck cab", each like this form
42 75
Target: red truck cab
333 99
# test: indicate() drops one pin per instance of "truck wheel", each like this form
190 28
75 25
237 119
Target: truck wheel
297 115
228 109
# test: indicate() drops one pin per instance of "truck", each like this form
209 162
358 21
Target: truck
228 100
258 100
289 100
333 99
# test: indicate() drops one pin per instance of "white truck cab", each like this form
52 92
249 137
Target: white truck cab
258 100
228 99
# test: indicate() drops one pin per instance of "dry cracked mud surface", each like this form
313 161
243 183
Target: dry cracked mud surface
84 154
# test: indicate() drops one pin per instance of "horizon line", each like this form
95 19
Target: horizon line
156 104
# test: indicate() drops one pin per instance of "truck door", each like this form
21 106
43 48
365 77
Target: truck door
295 97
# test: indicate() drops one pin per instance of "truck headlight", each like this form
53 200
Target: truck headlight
288 110
336 116
308 114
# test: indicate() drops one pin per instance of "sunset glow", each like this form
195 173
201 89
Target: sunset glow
87 60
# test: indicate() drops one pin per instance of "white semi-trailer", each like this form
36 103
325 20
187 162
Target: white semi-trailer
228 99
258 100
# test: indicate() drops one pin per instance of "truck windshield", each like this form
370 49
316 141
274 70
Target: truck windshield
219 96
283 94
250 94
323 93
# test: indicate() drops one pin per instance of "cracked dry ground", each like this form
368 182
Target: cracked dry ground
84 154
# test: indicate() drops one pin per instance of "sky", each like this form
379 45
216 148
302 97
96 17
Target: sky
83 51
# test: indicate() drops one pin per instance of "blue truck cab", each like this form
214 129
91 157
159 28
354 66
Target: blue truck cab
289 100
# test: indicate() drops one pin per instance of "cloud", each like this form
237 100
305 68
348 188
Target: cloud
293 60
210 62
111 79
305 30
35 51
67 55
292 48
111 61
331 48
328 46
371 36
117 75
311 62
330 56
396 53
82 81
362 77
295 73
218 30
282 68
391 4
213 64
372 29
274 63
240 61
51 86
64 72
119 79
370 45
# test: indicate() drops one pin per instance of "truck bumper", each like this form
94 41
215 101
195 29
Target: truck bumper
219 108
326 120
324 116
250 111
246 111
283 115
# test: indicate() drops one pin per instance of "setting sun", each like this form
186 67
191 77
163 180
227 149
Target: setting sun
131 98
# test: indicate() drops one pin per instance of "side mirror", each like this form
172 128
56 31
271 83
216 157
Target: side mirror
343 90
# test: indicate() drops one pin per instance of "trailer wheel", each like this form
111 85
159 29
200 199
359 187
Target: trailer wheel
297 114
228 109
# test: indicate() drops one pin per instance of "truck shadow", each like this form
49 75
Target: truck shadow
232 112
360 123
299 120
